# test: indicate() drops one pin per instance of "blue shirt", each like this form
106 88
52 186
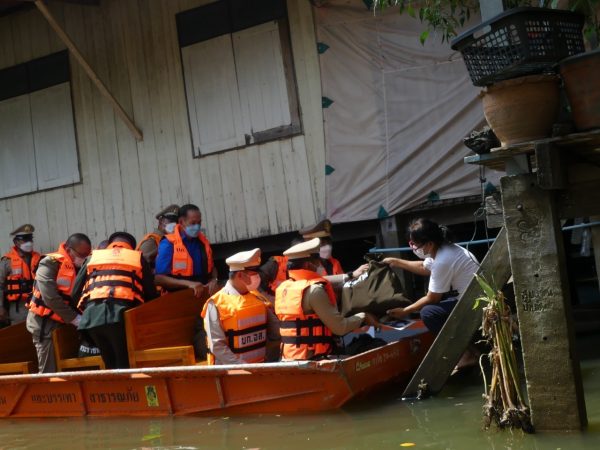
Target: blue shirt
164 258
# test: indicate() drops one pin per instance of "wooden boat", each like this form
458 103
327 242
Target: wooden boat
285 387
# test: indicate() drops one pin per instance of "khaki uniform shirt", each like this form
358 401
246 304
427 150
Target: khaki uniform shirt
316 300
149 248
45 281
217 341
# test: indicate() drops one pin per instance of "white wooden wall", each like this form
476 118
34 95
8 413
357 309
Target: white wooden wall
132 44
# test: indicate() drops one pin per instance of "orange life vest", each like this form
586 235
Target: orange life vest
303 336
281 272
336 267
182 265
154 236
114 274
19 283
244 320
65 278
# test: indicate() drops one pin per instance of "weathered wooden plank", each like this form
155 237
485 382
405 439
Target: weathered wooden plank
297 177
308 78
116 29
551 171
142 109
278 209
56 217
253 188
213 213
461 325
75 210
537 258
233 198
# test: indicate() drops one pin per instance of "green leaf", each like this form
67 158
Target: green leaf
411 11
487 289
423 37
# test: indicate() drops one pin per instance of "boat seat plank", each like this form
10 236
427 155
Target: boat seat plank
16 346
161 332
66 350
16 368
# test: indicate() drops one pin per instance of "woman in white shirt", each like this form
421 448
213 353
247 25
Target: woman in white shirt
449 267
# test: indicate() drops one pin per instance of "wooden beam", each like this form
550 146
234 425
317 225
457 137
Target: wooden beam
463 322
543 301
88 70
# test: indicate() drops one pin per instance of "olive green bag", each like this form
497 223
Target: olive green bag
379 291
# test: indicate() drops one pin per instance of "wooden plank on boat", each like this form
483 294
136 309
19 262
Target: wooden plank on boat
66 351
461 325
16 346
157 330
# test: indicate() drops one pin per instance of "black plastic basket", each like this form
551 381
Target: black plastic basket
519 42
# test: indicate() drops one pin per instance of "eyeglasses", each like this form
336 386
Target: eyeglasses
414 245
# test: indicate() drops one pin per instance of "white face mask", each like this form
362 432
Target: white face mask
420 253
254 282
325 251
170 227
26 247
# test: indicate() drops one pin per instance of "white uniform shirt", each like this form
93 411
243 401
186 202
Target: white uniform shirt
452 268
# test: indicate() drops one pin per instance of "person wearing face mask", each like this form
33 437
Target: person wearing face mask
111 281
167 219
185 258
17 272
307 308
322 230
449 267
240 327
51 304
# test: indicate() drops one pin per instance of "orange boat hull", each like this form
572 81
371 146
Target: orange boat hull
287 387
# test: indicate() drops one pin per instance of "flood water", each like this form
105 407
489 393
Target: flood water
452 420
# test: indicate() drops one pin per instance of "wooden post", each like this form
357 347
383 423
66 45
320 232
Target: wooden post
461 325
596 245
88 70
543 305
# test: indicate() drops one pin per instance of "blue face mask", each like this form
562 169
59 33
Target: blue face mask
192 230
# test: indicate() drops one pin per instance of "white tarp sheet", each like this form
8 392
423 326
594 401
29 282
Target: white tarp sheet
397 115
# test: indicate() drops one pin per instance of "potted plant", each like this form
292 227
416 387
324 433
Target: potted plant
580 72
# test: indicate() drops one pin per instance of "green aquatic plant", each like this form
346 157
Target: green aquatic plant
505 404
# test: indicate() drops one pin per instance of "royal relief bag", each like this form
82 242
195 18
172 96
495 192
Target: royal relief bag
375 292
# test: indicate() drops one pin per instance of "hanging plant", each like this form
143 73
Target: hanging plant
446 17
504 402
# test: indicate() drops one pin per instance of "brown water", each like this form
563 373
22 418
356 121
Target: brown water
452 420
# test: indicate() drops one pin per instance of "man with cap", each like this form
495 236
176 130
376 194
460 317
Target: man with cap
322 230
111 281
240 326
185 258
167 219
51 304
17 272
307 308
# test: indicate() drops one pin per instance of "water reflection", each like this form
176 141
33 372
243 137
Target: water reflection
450 421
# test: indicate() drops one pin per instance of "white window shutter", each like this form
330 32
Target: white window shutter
17 155
54 137
212 95
261 76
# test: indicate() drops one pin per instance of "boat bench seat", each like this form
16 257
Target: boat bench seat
160 332
16 368
17 353
66 350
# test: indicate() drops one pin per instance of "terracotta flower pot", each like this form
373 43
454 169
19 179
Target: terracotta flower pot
581 74
522 109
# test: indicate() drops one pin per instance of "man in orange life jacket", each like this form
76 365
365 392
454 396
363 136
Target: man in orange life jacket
110 282
322 230
167 219
240 326
51 304
307 309
274 271
185 256
17 271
